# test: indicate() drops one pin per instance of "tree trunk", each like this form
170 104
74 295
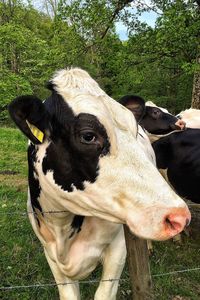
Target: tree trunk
139 269
196 88
196 82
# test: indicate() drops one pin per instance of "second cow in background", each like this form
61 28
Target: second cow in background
154 119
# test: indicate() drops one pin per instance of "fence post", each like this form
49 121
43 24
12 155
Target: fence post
138 264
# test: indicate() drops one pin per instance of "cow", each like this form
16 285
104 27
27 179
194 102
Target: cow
178 155
86 165
191 116
153 119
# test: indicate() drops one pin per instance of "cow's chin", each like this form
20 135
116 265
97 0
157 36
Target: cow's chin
158 235
175 127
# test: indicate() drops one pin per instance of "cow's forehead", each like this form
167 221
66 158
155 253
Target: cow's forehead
75 80
83 95
150 103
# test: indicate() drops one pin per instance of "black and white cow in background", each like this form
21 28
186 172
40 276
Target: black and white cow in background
191 116
178 153
153 119
85 160
178 156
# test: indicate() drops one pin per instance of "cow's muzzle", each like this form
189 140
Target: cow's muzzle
179 125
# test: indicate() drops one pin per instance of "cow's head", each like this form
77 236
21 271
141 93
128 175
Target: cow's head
89 162
154 119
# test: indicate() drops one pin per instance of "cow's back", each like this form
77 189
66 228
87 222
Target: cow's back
179 153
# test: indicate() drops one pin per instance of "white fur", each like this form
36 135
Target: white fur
191 117
150 103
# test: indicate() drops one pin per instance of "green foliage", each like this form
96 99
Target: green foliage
164 58
23 63
11 85
156 63
182 22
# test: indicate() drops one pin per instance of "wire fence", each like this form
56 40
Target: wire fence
93 281
26 213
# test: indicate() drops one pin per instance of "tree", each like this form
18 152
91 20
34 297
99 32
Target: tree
156 63
196 81
23 62
167 53
11 85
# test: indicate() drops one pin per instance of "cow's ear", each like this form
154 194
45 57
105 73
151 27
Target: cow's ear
30 115
135 104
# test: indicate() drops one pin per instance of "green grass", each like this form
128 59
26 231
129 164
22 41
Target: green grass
22 261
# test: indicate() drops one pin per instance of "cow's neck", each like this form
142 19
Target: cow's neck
154 137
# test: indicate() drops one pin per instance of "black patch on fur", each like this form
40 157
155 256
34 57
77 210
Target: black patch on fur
71 161
179 153
34 185
76 224
50 86
31 109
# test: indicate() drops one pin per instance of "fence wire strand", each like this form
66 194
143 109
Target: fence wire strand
26 213
9 288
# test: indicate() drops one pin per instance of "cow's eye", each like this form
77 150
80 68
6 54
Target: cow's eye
156 113
88 137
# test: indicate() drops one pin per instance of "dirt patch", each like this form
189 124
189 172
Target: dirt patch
15 181
8 172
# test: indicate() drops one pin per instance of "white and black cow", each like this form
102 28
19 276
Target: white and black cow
85 160
179 156
153 119
191 116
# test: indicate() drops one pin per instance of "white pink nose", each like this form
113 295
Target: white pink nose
181 124
159 223
175 222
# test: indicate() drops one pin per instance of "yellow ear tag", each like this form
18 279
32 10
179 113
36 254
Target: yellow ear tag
36 132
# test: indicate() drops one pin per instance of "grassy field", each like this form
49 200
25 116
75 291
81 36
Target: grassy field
21 258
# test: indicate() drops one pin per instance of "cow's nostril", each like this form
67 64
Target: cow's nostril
181 124
172 225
